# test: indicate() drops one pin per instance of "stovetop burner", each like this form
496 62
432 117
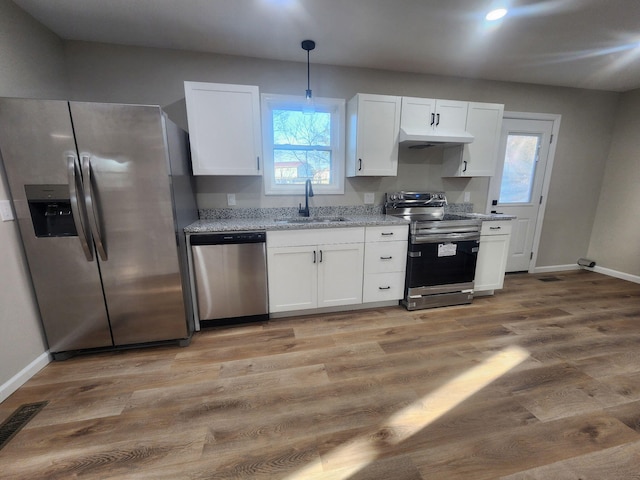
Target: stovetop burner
426 210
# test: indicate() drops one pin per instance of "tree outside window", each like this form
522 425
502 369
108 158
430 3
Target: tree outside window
303 145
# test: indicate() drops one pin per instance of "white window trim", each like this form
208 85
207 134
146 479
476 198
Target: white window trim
336 106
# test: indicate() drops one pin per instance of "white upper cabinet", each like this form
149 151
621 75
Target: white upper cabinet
224 128
373 124
428 122
477 159
428 114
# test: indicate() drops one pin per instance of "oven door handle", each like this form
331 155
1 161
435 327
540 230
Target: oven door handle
445 237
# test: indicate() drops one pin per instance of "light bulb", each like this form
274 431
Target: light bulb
496 14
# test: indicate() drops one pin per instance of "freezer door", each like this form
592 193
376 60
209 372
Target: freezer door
123 150
36 143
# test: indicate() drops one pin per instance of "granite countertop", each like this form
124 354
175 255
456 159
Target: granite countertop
488 217
278 223
248 219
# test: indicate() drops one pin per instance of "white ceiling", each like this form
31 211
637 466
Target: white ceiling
577 43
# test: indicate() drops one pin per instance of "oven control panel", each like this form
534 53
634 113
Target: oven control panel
416 196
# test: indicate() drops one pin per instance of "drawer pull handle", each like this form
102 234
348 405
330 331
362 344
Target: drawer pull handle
495 228
385 234
384 288
386 258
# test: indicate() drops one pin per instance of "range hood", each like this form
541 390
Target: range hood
428 138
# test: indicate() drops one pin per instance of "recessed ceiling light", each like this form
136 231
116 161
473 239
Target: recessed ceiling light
496 14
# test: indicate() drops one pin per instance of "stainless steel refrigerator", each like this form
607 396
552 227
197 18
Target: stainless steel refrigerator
101 193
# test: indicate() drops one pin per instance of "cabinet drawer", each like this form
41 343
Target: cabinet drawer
380 287
387 234
496 228
383 257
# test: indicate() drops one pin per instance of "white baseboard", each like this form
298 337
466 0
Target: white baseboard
615 273
556 268
597 269
23 375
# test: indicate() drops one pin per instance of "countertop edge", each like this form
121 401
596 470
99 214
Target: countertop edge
248 224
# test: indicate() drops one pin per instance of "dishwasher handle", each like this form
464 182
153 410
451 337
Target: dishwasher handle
228 238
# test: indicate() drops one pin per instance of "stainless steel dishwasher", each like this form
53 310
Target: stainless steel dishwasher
230 271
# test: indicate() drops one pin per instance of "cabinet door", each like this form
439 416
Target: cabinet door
293 278
340 274
374 127
417 114
451 116
484 122
224 128
491 263
476 159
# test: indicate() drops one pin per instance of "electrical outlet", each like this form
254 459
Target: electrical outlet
5 211
369 198
467 197
231 199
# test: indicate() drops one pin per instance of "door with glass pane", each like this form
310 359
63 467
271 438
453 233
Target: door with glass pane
516 189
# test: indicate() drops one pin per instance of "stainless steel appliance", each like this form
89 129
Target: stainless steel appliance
101 194
230 276
442 251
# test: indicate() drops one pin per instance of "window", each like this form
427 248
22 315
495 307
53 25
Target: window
519 168
302 142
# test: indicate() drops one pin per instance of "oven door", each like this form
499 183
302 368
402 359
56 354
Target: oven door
441 263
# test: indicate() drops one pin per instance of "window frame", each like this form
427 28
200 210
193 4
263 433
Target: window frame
336 107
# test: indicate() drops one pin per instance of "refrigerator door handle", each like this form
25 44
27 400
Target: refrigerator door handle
91 207
79 220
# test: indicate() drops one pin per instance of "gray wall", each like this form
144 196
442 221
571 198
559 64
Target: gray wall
615 241
31 65
127 74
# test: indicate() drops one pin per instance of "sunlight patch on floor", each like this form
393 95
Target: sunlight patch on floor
348 459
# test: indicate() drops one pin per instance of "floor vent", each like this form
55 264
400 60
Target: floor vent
17 420
550 279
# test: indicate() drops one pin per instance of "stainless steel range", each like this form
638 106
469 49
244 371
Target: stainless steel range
442 252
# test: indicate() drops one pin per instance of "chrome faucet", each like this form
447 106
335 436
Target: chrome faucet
308 192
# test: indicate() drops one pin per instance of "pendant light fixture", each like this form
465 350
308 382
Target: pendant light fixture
308 45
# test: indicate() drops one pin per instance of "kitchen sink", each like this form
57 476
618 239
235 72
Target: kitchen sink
310 219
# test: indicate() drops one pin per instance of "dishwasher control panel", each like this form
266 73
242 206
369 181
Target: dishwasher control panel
230 237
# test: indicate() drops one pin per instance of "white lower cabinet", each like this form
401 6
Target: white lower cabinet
314 268
385 261
492 256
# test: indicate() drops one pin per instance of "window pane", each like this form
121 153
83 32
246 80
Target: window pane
296 166
519 168
293 127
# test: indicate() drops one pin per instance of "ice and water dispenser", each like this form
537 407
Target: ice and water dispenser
50 210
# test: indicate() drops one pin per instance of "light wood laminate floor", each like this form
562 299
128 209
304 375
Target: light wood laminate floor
540 381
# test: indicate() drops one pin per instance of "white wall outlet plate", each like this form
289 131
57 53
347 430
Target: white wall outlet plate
467 197
5 211
231 199
369 198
